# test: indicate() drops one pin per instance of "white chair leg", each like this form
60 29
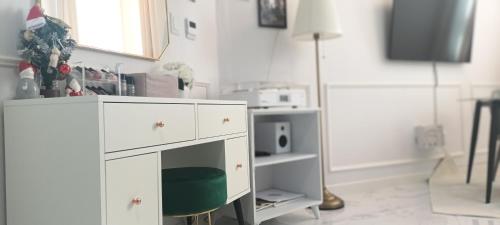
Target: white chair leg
316 213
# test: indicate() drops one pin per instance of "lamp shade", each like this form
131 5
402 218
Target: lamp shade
316 17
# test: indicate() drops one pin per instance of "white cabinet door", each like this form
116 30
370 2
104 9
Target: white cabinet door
132 195
218 120
237 167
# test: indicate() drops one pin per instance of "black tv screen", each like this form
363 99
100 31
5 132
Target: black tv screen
432 30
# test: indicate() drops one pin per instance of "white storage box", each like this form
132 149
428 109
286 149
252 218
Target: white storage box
147 85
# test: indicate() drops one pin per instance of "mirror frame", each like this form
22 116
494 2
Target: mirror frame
101 50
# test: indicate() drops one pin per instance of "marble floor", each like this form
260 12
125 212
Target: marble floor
395 202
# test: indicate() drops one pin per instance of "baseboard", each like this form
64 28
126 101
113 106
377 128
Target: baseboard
391 163
382 180
481 157
417 168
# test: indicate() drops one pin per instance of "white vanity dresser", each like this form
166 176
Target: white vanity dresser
90 160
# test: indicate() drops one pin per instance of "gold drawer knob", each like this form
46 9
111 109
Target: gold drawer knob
226 120
239 166
136 201
160 124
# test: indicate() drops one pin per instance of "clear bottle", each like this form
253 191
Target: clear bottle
27 88
124 85
130 86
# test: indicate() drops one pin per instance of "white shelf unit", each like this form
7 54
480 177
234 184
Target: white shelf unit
296 172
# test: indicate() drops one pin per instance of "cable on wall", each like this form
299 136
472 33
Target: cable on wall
271 61
434 92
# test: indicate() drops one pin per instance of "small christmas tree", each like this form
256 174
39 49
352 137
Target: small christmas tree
46 44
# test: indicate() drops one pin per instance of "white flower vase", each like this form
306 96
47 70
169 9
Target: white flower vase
185 93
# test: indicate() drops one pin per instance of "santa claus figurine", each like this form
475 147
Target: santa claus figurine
35 19
27 87
73 88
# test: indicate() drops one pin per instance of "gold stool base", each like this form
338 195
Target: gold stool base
331 201
196 217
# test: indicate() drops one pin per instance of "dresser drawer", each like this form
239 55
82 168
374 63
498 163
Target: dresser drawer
132 191
237 167
129 126
217 120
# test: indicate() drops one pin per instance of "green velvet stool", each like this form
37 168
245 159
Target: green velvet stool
193 191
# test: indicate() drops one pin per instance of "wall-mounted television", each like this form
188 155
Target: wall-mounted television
432 30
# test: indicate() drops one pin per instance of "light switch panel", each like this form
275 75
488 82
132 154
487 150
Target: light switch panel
174 25
191 29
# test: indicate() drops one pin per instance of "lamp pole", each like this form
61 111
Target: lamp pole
318 80
330 201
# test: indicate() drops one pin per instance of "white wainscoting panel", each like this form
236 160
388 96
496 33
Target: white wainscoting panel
373 125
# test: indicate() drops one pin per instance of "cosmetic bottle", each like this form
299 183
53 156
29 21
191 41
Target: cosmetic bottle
124 85
130 86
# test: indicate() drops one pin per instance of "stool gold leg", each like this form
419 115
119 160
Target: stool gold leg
209 218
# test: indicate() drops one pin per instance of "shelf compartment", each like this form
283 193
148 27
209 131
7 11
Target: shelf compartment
282 158
296 205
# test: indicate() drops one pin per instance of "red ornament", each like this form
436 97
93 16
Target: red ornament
64 69
75 93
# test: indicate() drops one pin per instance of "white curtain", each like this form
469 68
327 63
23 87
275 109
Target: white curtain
138 27
65 10
155 26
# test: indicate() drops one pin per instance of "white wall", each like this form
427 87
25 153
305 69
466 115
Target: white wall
200 54
372 103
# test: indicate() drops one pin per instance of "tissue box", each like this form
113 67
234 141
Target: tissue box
147 85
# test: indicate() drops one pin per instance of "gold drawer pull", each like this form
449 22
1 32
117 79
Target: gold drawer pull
239 166
136 201
226 120
160 124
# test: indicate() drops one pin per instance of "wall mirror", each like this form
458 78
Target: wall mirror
130 27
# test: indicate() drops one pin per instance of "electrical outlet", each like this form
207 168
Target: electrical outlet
429 137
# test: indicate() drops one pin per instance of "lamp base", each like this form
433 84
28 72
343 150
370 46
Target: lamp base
331 201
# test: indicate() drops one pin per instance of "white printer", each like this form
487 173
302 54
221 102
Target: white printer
269 95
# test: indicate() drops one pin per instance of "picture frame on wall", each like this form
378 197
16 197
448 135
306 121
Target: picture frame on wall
272 13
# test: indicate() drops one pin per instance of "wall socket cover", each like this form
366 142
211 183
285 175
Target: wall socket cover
429 137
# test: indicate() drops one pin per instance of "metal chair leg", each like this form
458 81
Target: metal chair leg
239 212
209 218
496 164
473 143
491 151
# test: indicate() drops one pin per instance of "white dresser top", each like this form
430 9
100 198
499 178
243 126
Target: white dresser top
117 99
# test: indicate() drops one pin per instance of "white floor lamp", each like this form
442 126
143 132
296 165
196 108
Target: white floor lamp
316 20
